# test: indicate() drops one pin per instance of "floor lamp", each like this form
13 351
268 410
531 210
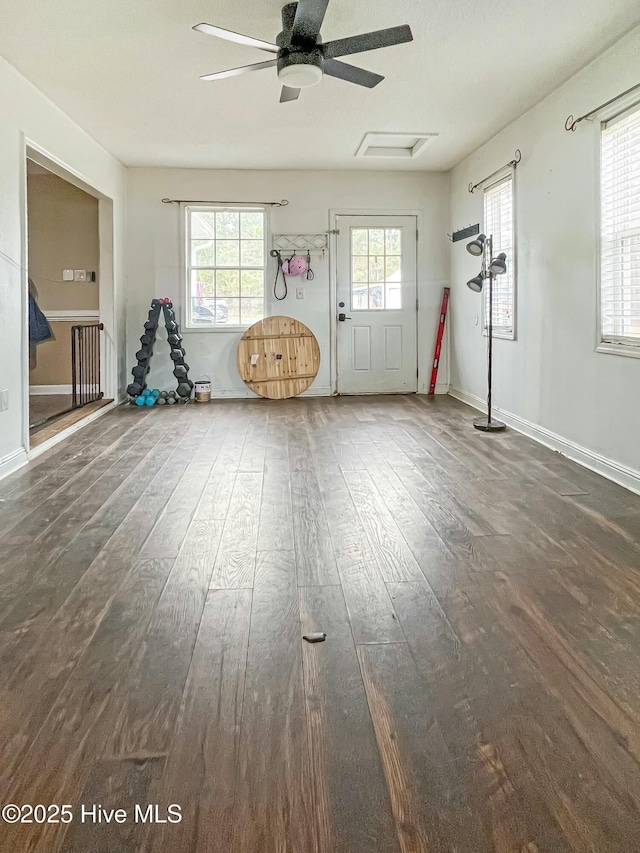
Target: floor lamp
482 246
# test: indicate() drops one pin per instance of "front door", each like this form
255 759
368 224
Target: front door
377 310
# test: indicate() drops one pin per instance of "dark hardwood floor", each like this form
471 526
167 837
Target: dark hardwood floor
478 690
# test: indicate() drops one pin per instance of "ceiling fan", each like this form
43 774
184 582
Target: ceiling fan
300 55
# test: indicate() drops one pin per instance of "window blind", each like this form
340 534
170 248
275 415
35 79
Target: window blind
620 229
498 223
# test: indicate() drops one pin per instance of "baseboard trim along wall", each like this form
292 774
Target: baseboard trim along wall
12 462
45 390
615 471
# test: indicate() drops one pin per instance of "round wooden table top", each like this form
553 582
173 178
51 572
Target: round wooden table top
278 357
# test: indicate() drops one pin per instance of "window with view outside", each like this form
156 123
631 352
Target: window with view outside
376 268
498 223
620 229
226 262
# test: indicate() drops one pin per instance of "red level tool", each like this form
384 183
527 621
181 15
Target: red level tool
436 354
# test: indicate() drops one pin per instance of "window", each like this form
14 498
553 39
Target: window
620 229
376 268
226 260
498 223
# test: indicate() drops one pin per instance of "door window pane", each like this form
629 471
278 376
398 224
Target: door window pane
376 269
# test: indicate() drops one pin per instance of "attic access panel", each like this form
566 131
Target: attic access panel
394 145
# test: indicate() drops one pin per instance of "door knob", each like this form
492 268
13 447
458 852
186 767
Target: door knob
342 317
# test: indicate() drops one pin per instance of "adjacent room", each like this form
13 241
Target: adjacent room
319 470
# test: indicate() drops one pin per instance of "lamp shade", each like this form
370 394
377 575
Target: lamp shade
498 265
476 283
476 247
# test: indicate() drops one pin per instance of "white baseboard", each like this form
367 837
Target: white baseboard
70 430
11 463
317 391
441 388
46 390
621 474
42 390
245 393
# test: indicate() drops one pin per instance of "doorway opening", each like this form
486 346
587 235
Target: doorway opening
64 323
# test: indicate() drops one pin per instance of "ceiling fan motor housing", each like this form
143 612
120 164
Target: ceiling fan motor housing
302 53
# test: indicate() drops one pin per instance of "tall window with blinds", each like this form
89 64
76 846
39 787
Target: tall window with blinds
498 223
620 229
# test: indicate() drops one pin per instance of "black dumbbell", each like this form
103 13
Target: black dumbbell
177 354
174 339
180 371
139 371
184 389
146 340
134 390
144 353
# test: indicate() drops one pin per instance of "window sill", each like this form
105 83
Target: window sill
628 350
505 336
197 330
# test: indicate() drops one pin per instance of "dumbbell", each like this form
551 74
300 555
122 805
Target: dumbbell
177 354
139 371
135 389
184 389
146 340
174 339
180 371
144 353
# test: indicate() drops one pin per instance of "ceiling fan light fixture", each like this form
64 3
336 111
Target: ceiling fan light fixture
300 75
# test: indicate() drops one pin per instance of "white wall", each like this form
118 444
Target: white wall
27 115
153 254
551 376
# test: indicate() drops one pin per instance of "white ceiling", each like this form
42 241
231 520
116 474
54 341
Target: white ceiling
128 74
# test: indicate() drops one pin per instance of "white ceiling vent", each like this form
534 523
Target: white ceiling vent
399 145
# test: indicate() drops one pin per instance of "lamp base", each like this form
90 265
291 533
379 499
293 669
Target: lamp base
487 425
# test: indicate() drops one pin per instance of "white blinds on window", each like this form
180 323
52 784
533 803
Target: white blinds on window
620 229
498 223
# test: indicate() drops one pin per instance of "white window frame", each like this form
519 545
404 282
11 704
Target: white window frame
187 266
609 344
501 332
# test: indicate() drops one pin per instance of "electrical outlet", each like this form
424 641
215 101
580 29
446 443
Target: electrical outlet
67 275
4 400
79 275
299 292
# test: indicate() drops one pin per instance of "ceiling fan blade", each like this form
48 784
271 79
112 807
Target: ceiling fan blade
289 94
351 74
367 41
234 72
308 21
228 35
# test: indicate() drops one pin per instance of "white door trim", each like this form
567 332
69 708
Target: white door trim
334 214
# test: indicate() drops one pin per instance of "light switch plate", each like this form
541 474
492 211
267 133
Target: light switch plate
299 292
67 275
79 275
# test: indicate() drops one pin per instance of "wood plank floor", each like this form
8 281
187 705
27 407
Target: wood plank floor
478 690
